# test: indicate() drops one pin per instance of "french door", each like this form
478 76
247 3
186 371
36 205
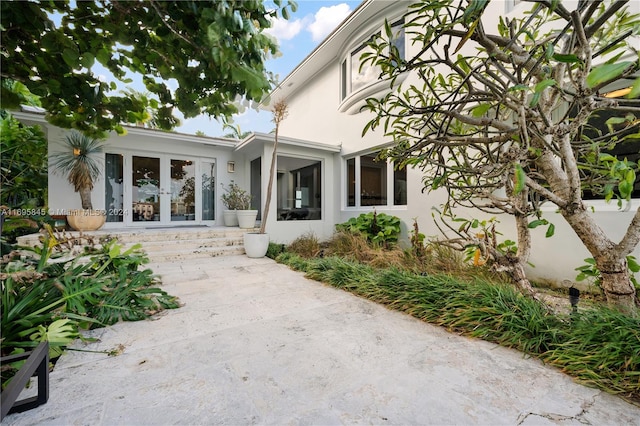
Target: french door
155 190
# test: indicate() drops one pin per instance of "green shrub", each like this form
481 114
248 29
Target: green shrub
379 228
274 250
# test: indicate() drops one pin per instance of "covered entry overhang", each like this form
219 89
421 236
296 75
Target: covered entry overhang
304 194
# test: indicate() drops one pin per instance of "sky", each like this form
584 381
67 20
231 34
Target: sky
297 37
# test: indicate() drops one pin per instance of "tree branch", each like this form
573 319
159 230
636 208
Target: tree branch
631 238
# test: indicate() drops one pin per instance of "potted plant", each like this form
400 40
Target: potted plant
79 162
237 202
256 244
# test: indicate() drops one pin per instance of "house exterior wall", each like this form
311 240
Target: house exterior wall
285 231
140 142
317 112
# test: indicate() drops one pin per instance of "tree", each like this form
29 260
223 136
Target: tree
79 162
23 170
280 112
234 132
504 121
214 51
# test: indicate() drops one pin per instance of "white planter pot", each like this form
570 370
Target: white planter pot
247 218
256 245
230 217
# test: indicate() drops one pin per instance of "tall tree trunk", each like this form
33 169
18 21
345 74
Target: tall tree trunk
610 258
85 198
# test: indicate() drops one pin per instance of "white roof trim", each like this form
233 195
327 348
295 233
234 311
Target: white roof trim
38 115
268 137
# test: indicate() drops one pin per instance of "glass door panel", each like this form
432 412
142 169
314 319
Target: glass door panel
183 190
145 194
114 201
208 190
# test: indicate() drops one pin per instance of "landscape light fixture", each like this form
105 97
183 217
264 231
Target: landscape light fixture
574 298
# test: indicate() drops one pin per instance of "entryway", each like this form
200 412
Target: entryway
159 189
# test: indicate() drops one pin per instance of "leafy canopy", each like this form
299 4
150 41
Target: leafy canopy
213 51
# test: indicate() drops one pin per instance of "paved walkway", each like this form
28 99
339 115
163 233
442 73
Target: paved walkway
257 343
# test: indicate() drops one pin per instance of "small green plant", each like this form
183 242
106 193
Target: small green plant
589 271
379 228
235 198
274 250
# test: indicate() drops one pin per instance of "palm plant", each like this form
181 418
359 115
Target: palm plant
80 164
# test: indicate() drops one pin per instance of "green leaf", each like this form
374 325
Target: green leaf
518 87
633 264
550 230
606 72
87 60
635 90
568 59
625 188
70 57
480 110
544 84
520 178
607 157
535 99
535 223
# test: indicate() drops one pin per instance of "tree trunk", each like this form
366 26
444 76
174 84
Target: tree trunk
514 267
85 198
611 259
616 282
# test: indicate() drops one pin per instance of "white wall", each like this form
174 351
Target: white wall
142 142
286 231
314 115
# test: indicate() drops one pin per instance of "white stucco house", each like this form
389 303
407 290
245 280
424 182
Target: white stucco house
326 168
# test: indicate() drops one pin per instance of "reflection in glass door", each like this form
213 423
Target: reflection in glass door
208 190
145 202
183 190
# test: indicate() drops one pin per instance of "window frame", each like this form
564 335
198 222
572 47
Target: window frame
314 162
347 93
356 185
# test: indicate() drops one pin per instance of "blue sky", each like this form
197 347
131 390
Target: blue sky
297 37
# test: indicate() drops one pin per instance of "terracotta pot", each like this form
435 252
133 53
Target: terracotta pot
86 220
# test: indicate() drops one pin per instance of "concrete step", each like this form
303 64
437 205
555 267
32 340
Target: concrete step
167 244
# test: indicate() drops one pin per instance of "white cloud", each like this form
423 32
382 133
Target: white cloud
283 29
327 19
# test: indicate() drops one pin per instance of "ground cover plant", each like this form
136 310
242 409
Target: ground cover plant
596 345
54 291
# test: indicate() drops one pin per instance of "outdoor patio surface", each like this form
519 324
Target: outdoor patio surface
257 343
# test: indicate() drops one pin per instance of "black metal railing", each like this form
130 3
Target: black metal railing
37 364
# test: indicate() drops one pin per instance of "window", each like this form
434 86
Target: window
370 183
208 190
114 203
299 189
355 76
